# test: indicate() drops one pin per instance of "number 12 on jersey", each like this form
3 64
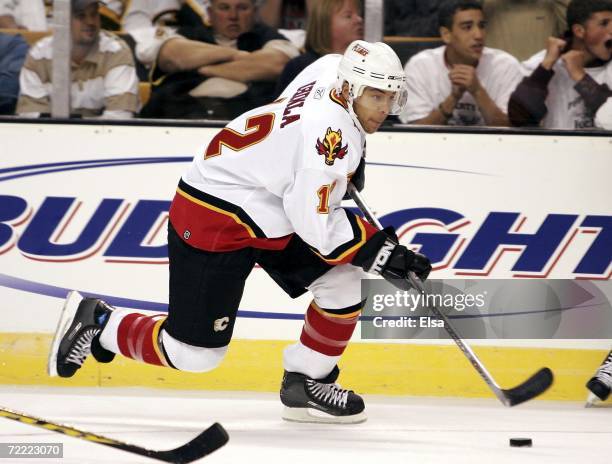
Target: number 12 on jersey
324 193
256 129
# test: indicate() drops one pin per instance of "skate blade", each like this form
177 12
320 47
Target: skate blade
314 416
593 401
71 304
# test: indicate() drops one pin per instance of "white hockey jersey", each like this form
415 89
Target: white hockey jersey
277 170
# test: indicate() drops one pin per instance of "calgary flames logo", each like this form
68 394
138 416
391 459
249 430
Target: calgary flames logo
331 147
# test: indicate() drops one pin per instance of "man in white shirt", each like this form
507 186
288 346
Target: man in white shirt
463 82
569 82
104 81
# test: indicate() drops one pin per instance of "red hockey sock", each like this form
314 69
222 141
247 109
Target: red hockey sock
137 337
328 333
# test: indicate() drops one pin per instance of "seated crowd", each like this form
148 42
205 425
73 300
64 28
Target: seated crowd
496 63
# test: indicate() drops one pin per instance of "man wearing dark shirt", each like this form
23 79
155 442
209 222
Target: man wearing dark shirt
220 70
570 81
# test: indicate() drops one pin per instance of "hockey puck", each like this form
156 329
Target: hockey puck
521 442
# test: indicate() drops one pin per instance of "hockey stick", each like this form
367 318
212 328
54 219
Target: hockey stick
205 443
537 384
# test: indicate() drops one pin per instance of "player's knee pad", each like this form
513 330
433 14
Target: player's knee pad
191 358
338 288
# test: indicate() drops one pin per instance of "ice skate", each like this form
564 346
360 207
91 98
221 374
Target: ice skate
81 321
601 383
310 400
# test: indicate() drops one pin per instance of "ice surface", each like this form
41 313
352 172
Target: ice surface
399 430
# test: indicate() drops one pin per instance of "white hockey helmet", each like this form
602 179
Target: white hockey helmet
376 65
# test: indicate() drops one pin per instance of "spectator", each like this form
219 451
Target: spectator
519 27
332 26
218 71
147 24
13 50
569 82
35 15
286 14
23 14
415 18
462 82
102 70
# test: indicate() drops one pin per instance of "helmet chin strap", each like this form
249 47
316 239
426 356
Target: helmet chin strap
350 101
354 116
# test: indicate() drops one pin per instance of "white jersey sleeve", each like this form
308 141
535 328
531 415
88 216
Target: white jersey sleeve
332 149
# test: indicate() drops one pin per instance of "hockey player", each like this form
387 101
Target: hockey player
267 189
600 384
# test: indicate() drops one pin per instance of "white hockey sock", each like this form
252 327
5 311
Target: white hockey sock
299 358
108 337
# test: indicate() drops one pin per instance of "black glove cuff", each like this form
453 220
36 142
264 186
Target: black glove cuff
368 252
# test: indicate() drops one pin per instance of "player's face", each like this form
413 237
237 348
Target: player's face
85 26
598 35
346 26
466 38
373 107
230 18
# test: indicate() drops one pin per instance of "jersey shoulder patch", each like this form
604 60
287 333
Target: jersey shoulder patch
331 146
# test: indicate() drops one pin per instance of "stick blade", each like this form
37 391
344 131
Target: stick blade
211 439
537 384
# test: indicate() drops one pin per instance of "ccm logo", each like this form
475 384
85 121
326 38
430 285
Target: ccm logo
382 257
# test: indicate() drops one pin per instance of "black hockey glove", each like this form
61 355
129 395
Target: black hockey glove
384 256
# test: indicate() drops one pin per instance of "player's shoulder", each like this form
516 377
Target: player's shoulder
323 71
336 129
324 67
327 108
322 107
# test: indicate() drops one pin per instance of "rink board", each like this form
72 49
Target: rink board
85 206
385 369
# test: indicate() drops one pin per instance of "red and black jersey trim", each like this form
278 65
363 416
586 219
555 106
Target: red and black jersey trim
223 205
345 253
213 224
